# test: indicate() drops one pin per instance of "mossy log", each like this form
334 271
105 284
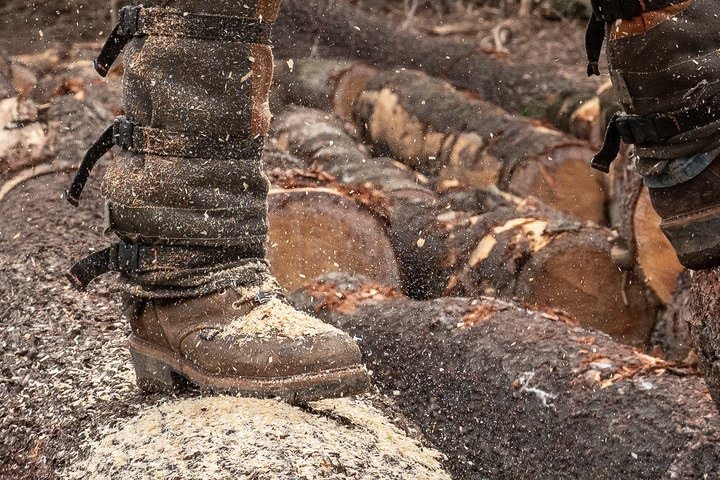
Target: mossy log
476 242
338 30
455 140
509 393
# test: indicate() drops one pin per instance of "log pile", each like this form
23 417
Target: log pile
506 297
480 242
457 141
510 393
339 30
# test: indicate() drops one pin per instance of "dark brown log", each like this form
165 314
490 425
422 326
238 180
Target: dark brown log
641 245
338 30
508 393
456 140
481 242
705 326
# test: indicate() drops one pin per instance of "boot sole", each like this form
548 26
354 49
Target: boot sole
696 238
160 370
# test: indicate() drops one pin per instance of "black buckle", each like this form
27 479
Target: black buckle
638 130
125 257
126 28
123 130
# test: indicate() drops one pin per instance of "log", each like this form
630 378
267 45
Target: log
672 336
316 230
68 404
232 437
455 140
338 30
705 326
477 242
510 393
641 246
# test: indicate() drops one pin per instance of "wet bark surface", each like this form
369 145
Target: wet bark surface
508 393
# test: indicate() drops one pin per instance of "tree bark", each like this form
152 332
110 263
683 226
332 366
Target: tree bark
455 140
479 242
705 326
509 393
338 30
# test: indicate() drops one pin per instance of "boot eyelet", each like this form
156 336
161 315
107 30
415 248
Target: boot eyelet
237 304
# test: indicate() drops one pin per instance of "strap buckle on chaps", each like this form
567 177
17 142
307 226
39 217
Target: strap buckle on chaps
154 141
139 21
126 257
652 130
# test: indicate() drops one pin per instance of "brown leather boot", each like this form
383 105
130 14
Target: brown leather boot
187 197
243 341
690 215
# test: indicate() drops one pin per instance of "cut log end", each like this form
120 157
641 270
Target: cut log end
565 180
577 274
318 230
655 255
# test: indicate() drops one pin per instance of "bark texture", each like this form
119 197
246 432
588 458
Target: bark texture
479 241
705 314
338 30
509 393
455 140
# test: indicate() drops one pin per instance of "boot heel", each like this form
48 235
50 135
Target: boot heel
154 376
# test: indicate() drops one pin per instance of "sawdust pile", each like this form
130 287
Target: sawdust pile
231 437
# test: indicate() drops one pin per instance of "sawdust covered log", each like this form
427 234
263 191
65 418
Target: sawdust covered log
508 393
478 242
640 246
457 141
339 30
705 326
232 437
69 408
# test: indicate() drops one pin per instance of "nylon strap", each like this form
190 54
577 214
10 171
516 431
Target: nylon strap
155 141
653 130
137 21
134 257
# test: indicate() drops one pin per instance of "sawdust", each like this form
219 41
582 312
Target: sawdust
277 319
231 437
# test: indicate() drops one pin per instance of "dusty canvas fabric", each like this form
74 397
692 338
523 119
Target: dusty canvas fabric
664 61
205 87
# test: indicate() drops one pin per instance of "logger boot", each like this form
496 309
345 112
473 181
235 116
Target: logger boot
246 341
690 213
187 197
